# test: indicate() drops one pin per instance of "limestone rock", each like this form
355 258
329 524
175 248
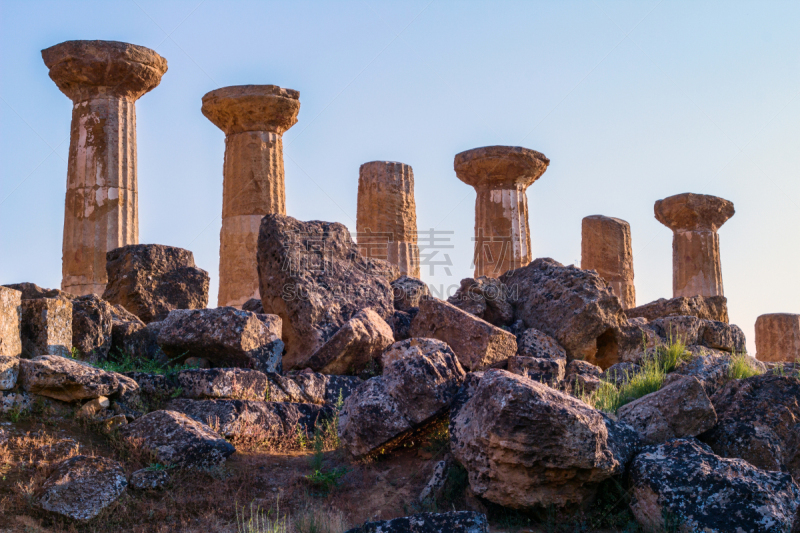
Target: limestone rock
10 318
620 373
401 323
147 479
15 401
46 327
476 343
501 176
240 418
777 337
311 387
408 292
684 482
758 422
709 366
226 336
418 384
451 522
680 409
138 341
176 439
312 276
723 336
525 445
687 329
359 341
68 380
574 306
9 370
606 249
485 298
81 486
582 377
707 307
93 407
31 291
435 485
154 385
235 383
253 305
92 321
534 343
548 371
150 280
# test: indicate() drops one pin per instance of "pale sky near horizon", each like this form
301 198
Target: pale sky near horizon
631 101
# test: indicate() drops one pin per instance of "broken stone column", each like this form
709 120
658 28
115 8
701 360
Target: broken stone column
501 175
694 220
778 338
10 317
606 248
386 221
254 119
103 79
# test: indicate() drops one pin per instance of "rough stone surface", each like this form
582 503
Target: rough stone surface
620 372
313 277
146 479
93 407
606 249
534 343
722 336
707 307
226 336
758 422
103 79
154 385
687 329
150 280
10 318
81 486
420 379
176 439
311 387
485 298
253 305
46 327
408 292
386 218
574 306
548 371
694 220
582 377
680 409
452 522
359 341
235 383
254 119
525 445
500 175
15 401
68 380
710 367
477 343
401 323
684 482
31 291
778 337
92 323
9 370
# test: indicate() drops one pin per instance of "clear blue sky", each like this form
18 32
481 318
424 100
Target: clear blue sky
631 101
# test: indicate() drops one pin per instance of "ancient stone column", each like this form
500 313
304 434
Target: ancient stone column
606 248
500 175
103 79
694 220
778 338
254 119
386 221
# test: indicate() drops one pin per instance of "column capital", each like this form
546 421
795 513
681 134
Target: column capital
243 108
500 167
693 212
85 69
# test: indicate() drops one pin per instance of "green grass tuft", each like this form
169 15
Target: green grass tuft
125 362
742 367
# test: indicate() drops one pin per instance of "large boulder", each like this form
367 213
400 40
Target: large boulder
313 277
9 370
408 292
707 307
574 306
150 280
534 343
526 445
477 343
759 421
69 380
420 379
311 387
82 486
91 327
485 298
681 409
710 366
681 484
226 336
10 318
234 383
452 522
46 327
582 377
358 342
548 371
176 439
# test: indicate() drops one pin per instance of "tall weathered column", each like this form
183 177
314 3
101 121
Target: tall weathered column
778 338
103 79
254 119
606 248
694 220
386 221
501 175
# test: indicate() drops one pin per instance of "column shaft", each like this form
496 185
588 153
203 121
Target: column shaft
502 234
606 248
696 268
